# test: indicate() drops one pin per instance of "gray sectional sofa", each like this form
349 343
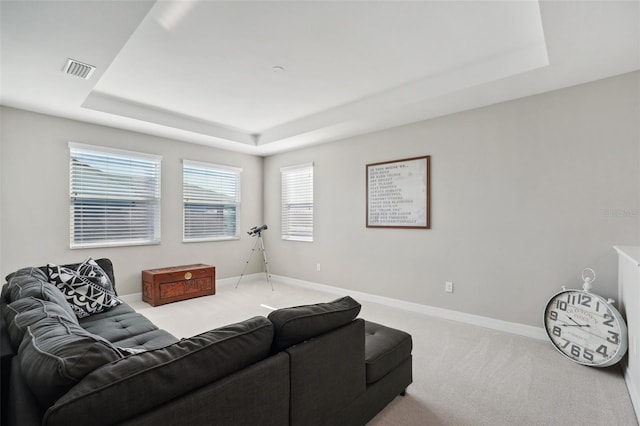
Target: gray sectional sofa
307 365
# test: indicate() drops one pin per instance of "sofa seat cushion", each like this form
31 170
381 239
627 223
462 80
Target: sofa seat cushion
56 353
125 328
155 339
297 324
385 348
139 382
117 323
121 309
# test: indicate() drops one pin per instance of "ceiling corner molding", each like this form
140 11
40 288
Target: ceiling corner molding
102 102
385 107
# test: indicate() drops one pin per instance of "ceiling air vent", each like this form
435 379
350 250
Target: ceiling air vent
79 69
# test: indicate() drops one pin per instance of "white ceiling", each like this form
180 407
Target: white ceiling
262 77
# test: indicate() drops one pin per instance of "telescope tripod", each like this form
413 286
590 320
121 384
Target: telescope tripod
258 245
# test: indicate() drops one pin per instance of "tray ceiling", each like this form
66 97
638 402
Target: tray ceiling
266 76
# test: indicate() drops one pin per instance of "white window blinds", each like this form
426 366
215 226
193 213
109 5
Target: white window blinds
211 199
114 197
297 202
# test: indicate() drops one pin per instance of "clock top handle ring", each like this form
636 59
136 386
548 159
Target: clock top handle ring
588 279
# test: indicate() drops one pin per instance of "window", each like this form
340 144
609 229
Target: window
211 199
297 202
114 197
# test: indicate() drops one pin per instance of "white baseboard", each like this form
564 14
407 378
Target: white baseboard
491 323
131 298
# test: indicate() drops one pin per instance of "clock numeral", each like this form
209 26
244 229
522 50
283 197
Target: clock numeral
597 306
571 299
553 315
566 343
602 350
575 350
588 355
562 305
556 331
608 320
584 300
615 337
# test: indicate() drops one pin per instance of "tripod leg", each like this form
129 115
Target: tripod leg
247 263
266 264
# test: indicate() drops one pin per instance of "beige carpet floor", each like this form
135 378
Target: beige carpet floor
462 374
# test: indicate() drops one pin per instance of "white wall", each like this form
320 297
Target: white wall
35 199
525 194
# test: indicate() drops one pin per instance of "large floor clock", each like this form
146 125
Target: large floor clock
585 327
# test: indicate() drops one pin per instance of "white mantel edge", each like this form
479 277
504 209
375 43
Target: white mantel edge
632 253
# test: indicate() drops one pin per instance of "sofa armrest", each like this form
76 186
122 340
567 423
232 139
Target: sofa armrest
327 374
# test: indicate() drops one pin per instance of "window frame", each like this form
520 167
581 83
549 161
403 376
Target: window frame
125 202
305 200
236 203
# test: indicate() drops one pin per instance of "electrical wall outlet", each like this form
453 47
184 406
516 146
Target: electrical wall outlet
448 287
318 267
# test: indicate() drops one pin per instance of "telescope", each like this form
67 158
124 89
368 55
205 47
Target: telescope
257 230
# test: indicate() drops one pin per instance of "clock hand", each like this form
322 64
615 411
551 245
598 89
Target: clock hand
576 323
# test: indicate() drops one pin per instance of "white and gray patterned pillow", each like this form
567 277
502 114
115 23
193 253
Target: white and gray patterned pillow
87 289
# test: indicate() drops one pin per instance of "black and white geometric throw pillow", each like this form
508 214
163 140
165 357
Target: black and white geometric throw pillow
87 289
90 269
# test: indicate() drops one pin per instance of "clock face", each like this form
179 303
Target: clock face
585 328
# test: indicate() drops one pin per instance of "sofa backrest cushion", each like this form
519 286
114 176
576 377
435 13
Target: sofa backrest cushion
57 353
27 311
29 272
23 286
139 382
297 324
328 375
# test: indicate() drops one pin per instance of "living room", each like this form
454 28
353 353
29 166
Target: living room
525 192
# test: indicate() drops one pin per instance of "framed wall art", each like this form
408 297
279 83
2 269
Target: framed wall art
398 193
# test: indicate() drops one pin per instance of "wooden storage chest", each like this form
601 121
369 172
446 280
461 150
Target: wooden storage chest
175 283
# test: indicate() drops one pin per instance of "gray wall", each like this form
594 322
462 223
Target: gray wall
525 194
35 199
